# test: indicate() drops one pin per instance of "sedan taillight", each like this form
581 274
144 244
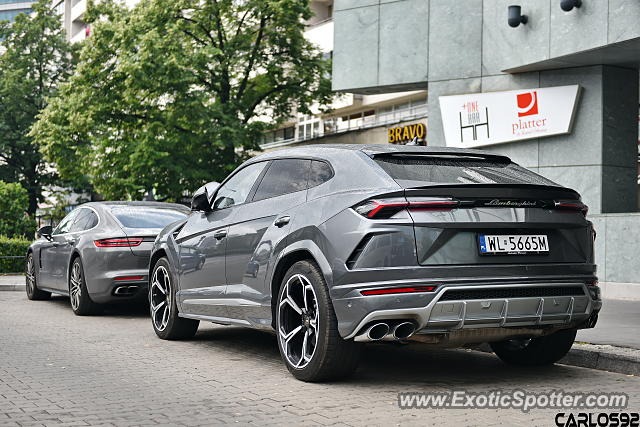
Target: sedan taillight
386 208
121 242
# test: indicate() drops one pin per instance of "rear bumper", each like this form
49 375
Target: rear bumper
568 303
119 285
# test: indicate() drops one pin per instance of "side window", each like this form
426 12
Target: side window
320 173
237 189
283 177
85 220
65 224
81 218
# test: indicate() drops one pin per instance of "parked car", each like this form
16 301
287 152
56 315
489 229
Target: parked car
333 246
99 253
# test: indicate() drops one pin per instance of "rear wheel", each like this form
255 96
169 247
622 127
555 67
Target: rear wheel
307 328
164 311
535 351
81 302
33 293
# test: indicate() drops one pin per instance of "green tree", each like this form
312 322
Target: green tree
14 220
174 93
36 59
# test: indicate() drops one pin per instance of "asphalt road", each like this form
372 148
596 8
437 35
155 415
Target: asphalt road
57 368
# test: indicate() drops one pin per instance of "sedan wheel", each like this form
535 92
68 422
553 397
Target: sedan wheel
307 328
162 302
81 302
33 293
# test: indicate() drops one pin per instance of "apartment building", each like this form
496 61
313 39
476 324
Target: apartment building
10 8
398 117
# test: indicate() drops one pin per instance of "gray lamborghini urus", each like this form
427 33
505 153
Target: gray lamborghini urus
335 246
99 253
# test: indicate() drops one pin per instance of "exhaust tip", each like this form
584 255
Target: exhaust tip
378 331
404 330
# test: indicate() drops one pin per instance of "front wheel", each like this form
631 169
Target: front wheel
162 302
33 293
538 351
307 328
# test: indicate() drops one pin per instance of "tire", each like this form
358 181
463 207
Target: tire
162 305
81 302
33 293
539 351
313 321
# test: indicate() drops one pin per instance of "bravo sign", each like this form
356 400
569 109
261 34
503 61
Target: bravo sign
479 119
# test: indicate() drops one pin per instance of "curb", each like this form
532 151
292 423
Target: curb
12 287
609 358
604 357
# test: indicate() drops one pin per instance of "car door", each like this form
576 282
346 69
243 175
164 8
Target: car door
51 268
257 228
202 244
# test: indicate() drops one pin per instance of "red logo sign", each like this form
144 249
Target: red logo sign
527 104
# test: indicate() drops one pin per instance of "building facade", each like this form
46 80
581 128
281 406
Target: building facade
482 49
353 118
10 8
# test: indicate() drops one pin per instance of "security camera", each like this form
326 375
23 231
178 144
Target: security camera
516 17
568 5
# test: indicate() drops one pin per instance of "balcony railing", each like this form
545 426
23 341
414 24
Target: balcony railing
336 126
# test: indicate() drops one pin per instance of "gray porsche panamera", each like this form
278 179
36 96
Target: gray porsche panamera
334 246
99 253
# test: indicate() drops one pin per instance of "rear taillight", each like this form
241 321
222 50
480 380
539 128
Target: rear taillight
387 291
571 206
122 242
386 208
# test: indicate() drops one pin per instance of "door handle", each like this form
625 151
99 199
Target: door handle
220 234
282 221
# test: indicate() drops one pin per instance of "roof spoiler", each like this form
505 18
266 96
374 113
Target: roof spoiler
476 154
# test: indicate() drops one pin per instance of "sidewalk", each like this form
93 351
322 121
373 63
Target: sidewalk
12 282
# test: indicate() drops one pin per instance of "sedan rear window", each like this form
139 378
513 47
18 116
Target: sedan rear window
408 170
146 217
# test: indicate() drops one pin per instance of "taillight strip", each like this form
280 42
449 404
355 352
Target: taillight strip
571 206
129 278
118 242
387 291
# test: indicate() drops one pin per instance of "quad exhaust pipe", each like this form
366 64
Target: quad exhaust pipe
126 290
387 331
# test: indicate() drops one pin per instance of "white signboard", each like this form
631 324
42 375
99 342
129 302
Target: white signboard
479 119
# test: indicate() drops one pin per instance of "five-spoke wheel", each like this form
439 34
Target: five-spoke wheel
298 319
81 302
160 298
75 286
307 328
162 303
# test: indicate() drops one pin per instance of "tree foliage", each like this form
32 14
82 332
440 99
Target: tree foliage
174 93
36 58
15 221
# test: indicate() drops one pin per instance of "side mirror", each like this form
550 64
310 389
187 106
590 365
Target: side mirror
201 200
45 231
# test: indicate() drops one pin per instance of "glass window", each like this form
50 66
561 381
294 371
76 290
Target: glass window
9 15
131 216
85 220
65 224
236 190
457 170
284 177
320 172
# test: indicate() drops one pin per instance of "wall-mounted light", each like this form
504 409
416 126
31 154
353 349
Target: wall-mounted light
516 17
568 5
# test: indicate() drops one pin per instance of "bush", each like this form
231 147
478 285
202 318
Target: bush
14 201
13 247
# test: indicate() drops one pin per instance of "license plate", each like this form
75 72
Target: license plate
518 244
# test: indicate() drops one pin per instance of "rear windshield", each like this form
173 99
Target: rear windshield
415 170
146 217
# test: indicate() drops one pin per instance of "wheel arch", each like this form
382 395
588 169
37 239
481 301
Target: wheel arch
161 252
303 251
